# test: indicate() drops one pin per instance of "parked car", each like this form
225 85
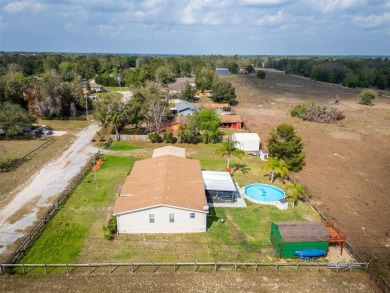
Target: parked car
254 153
43 131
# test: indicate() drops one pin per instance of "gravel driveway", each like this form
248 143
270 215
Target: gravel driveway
43 187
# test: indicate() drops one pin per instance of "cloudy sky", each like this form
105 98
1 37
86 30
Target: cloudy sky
244 27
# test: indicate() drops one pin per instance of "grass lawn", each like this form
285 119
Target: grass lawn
122 146
75 234
88 208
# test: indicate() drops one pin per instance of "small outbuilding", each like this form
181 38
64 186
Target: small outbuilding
231 121
222 71
288 237
247 141
169 150
264 154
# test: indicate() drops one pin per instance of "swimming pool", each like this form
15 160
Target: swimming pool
264 193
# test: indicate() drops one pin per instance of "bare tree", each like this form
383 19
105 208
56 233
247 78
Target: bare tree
156 113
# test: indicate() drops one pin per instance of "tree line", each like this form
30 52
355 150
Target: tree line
351 72
53 85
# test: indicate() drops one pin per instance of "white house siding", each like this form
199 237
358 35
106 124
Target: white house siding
138 221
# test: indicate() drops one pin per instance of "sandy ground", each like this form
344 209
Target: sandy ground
42 189
222 281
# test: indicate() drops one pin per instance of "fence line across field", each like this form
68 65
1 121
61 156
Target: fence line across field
31 237
111 267
28 156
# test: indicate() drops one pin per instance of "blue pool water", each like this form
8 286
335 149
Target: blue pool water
264 192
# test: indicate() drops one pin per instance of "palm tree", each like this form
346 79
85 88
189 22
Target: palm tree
115 116
228 148
277 166
296 191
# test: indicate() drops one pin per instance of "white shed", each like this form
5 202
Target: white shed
169 150
247 141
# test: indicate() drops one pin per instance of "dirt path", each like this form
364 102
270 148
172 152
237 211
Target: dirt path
22 211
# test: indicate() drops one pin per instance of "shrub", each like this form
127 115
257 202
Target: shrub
316 113
366 97
169 138
155 137
260 74
110 229
299 111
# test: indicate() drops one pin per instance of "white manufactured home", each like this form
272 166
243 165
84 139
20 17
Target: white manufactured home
162 219
247 141
164 194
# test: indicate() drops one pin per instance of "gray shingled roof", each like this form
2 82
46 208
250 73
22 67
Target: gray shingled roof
184 105
302 231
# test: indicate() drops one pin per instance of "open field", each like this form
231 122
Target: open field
263 281
347 164
12 181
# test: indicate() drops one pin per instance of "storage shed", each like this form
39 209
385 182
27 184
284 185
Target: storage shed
288 237
222 71
247 141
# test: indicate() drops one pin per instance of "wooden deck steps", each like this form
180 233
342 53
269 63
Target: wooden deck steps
336 236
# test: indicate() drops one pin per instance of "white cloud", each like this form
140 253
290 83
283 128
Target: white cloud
270 19
263 2
373 20
18 6
334 5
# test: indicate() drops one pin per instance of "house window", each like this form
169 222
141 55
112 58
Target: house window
192 215
171 218
151 218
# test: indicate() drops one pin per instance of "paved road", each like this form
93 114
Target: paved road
47 183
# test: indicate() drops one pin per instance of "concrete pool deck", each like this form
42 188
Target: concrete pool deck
238 203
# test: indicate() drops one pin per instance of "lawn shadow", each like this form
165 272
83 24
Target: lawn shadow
211 217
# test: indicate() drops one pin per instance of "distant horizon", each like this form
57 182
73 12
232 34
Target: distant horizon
178 55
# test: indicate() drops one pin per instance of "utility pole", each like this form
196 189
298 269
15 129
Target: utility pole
86 105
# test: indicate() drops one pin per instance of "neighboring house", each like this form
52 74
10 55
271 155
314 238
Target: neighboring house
175 125
164 194
288 237
219 186
179 85
185 108
247 141
222 71
231 121
169 150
